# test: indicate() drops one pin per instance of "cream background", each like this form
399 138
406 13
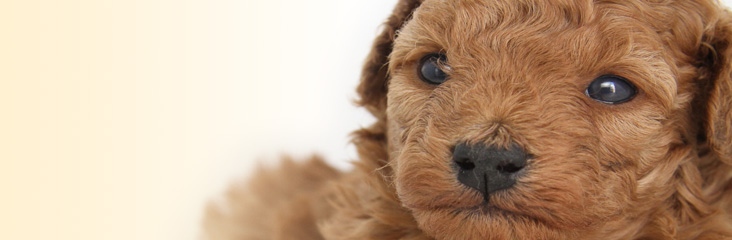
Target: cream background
120 119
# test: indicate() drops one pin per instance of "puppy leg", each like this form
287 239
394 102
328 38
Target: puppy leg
284 203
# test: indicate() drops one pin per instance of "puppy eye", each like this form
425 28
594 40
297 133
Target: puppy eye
611 89
431 68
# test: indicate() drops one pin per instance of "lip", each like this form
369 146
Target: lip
465 199
487 209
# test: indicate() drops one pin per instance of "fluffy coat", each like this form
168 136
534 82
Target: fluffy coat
656 167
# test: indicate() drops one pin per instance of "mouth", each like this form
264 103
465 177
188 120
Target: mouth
490 208
487 209
483 209
485 220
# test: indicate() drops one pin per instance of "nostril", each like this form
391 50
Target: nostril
508 168
486 168
465 164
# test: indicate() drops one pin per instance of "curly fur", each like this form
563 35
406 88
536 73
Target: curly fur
657 167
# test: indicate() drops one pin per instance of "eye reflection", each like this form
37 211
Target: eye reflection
431 68
608 87
611 89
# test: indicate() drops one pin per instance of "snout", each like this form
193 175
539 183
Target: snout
488 168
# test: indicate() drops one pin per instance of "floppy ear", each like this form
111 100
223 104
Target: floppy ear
717 87
373 86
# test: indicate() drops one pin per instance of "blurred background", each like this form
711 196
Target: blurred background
121 119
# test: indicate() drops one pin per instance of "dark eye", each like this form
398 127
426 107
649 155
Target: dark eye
431 68
611 89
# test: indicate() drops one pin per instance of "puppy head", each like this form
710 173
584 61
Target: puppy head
525 119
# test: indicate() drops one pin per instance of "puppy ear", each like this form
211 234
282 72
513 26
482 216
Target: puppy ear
373 87
716 87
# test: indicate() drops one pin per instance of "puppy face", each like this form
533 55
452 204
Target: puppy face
596 97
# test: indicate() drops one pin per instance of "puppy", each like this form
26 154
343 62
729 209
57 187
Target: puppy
522 119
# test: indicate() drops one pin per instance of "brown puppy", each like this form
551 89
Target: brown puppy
523 119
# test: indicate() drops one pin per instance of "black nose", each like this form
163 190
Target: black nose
488 168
